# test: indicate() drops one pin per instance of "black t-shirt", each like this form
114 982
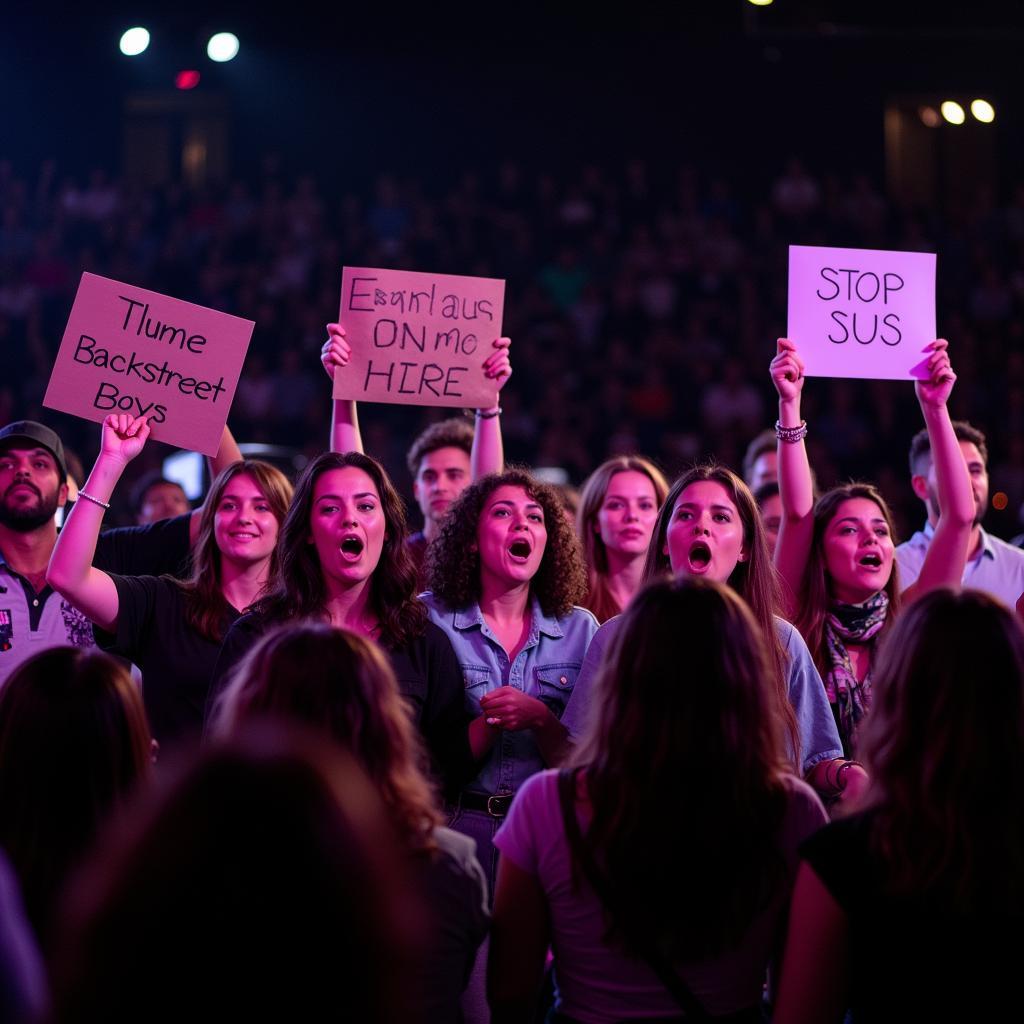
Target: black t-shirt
428 675
910 957
176 661
157 549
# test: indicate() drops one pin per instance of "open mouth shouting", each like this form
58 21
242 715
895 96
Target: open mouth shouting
520 550
698 558
352 548
871 561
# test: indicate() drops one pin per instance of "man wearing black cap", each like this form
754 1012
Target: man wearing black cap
33 486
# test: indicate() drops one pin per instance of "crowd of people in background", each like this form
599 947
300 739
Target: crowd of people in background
700 741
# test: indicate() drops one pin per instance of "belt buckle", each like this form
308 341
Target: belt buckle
498 804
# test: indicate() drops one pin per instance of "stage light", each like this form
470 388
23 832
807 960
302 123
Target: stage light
929 117
953 112
761 3
222 47
186 79
983 111
134 41
1000 501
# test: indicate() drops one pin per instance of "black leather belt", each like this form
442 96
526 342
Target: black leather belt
496 806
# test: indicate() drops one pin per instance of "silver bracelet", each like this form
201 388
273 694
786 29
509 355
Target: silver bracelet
791 435
481 415
95 501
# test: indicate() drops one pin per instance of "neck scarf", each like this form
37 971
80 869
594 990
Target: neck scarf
844 624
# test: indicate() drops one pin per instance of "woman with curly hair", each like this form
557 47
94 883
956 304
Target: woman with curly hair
342 685
505 575
659 865
343 560
172 629
709 528
617 510
907 910
837 555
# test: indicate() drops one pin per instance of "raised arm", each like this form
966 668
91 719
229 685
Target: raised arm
947 554
345 436
796 487
228 453
488 453
71 572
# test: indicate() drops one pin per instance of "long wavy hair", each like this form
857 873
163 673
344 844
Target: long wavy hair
944 746
206 608
685 741
73 743
297 589
453 561
600 599
340 683
755 579
815 596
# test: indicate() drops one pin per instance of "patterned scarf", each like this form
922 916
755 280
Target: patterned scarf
846 623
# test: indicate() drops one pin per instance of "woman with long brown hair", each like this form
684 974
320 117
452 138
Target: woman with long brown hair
343 561
910 908
342 685
709 528
658 865
836 556
619 504
172 629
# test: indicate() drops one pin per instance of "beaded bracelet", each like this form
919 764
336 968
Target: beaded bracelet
791 435
95 501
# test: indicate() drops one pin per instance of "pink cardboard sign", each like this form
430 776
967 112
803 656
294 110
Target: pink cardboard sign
419 339
861 312
126 349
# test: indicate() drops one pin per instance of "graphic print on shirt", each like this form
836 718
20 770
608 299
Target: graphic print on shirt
6 629
78 627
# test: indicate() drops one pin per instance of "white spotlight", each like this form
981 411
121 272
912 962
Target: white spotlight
134 41
953 112
222 47
983 111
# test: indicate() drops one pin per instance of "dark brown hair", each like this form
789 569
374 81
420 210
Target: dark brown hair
73 742
340 683
755 579
451 433
599 598
453 563
815 595
944 745
297 589
921 446
261 881
206 608
682 765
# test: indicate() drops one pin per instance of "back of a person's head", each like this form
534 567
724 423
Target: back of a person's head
261 882
340 684
73 742
685 720
944 743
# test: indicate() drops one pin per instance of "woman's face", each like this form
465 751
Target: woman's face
244 527
627 513
858 551
705 533
347 525
511 537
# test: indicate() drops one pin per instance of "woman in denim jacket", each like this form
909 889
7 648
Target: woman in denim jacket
505 574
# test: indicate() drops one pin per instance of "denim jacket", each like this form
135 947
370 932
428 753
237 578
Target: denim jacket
546 668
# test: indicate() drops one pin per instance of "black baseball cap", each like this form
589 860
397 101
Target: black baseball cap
29 434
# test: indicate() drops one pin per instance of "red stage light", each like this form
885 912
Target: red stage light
186 79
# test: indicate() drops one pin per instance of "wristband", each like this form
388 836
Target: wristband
95 501
481 415
791 435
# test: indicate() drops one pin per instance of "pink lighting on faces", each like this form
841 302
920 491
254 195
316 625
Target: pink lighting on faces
347 525
511 537
186 80
705 533
627 513
859 551
245 528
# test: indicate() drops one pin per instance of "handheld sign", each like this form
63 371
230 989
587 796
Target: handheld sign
126 349
419 339
861 312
